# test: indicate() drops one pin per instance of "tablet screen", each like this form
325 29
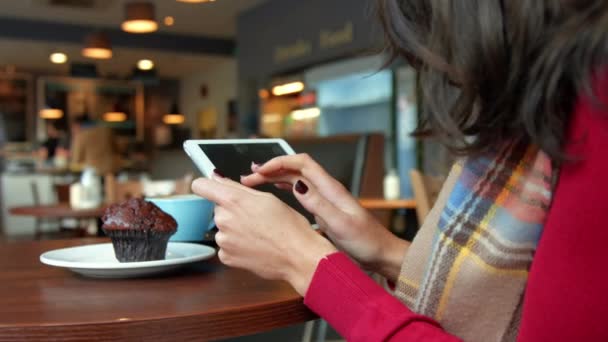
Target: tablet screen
234 160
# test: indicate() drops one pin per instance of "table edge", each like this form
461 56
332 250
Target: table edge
208 325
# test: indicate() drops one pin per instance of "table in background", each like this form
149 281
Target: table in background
409 227
61 211
57 211
17 190
204 301
381 203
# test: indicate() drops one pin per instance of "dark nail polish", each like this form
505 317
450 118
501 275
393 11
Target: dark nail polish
301 187
217 172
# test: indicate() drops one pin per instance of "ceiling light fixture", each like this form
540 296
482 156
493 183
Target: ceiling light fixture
51 113
174 117
169 20
305 114
287 88
97 45
139 18
145 64
58 58
263 94
114 117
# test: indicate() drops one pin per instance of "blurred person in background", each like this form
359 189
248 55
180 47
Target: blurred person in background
93 146
56 143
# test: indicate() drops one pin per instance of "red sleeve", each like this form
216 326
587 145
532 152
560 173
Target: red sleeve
360 310
567 294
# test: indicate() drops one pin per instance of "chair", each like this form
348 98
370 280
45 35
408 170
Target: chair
64 232
356 160
75 226
36 200
62 190
426 189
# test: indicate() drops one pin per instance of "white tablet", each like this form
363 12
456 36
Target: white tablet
233 157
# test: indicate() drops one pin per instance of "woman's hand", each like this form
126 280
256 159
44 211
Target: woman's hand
351 227
260 233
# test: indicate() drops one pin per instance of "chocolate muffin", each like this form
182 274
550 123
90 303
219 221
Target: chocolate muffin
139 230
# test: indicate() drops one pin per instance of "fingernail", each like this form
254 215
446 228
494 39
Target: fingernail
301 187
217 172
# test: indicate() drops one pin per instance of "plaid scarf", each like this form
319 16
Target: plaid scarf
468 265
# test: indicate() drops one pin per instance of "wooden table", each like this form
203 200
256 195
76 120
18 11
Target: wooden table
407 229
380 203
204 301
57 211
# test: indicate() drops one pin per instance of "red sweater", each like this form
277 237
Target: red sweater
566 298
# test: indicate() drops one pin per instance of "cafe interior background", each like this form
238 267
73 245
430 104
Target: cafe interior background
158 72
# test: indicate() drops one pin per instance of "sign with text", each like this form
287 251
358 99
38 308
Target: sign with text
283 35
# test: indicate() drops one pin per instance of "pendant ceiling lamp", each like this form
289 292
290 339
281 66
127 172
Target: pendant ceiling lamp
115 115
139 18
174 117
58 58
51 113
287 88
97 45
145 64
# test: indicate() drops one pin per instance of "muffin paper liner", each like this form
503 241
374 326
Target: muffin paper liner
139 245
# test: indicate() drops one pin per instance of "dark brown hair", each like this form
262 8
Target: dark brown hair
498 70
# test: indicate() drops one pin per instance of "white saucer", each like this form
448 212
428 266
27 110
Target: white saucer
98 260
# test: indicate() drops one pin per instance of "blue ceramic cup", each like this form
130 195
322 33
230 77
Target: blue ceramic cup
194 215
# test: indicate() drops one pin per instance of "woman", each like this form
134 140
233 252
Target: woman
513 248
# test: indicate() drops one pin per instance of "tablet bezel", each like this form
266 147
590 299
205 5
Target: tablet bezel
206 166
